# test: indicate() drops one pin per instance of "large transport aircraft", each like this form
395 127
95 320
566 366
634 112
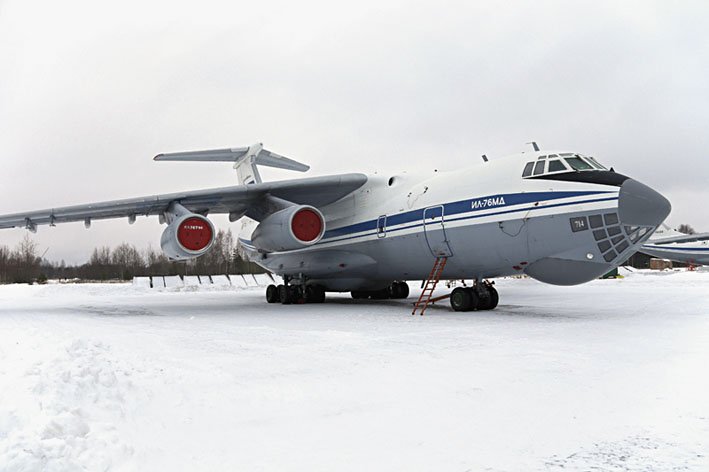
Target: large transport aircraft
559 217
667 243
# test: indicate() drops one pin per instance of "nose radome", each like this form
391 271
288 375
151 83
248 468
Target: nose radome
639 205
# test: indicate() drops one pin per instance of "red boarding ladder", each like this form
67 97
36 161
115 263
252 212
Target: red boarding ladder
426 297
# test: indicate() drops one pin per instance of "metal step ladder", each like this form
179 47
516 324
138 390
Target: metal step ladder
426 297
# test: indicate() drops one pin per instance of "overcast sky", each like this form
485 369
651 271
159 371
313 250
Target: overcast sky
91 91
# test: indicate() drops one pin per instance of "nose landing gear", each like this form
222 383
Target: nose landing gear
481 296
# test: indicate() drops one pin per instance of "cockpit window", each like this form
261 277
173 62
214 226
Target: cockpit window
595 163
539 168
528 169
578 164
556 165
541 157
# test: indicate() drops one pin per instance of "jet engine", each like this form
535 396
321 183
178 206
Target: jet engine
295 227
187 236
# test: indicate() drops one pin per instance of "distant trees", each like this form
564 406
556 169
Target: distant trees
23 265
20 265
686 229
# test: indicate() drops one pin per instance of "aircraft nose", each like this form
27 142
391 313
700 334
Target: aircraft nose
639 205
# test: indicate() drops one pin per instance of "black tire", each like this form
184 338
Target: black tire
358 294
494 298
475 299
319 294
403 290
284 295
489 302
461 299
297 294
382 294
309 294
314 294
272 295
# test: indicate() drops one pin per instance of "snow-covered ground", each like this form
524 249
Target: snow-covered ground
609 376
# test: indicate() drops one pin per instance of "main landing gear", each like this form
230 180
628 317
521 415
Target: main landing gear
482 296
287 293
397 290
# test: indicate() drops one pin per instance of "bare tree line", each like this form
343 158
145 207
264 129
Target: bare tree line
24 264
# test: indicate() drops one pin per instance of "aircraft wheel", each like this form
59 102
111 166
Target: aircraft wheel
462 299
399 290
474 297
382 294
490 300
272 294
297 294
319 294
494 298
284 295
314 294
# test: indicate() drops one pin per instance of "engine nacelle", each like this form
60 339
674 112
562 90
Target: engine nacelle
295 227
187 236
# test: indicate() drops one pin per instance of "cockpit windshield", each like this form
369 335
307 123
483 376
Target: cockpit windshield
593 161
572 167
577 163
560 163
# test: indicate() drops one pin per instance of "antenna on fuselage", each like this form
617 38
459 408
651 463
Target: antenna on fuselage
534 145
484 158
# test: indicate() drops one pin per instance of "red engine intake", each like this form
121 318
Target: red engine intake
306 225
291 228
195 233
187 237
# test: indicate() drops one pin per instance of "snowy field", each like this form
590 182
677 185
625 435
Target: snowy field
609 376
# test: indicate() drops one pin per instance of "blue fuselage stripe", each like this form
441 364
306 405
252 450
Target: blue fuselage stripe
368 227
456 208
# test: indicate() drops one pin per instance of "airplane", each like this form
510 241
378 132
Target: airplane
667 243
559 217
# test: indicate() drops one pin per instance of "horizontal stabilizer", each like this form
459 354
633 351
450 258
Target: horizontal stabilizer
215 155
245 160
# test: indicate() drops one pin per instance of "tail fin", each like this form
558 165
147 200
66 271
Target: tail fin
664 231
245 159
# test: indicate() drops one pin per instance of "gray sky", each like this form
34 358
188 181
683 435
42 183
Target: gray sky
90 91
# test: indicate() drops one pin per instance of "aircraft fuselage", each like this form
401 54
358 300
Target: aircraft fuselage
488 221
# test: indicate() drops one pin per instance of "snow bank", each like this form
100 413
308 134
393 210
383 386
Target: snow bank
78 395
191 281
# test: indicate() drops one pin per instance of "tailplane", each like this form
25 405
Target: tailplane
245 159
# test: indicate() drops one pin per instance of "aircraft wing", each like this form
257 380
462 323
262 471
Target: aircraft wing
685 238
315 191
